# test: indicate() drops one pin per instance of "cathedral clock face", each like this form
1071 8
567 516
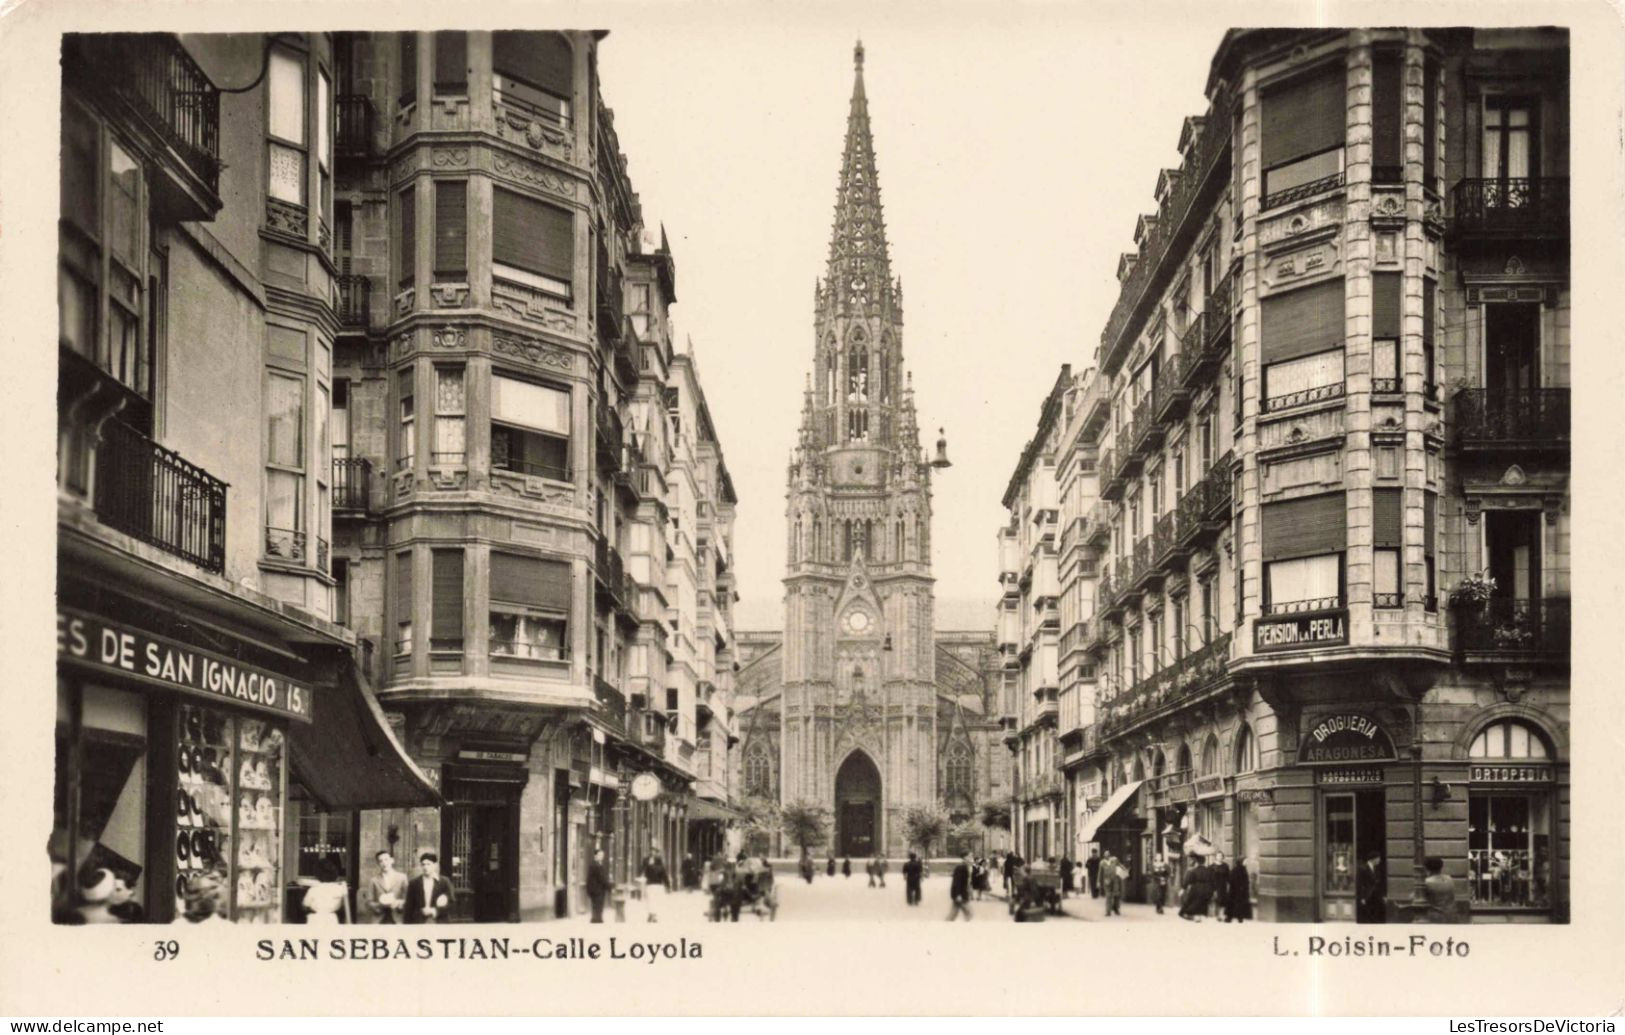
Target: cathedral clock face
857 623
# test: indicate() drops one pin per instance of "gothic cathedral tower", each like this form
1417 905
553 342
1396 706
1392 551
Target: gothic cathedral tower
859 702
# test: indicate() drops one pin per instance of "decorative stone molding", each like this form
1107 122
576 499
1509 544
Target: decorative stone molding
1388 208
449 296
405 302
449 157
402 344
1320 260
532 305
528 173
520 128
533 351
449 338
1323 217
403 484
447 479
283 218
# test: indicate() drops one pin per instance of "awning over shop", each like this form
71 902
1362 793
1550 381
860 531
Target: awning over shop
348 758
1114 804
704 808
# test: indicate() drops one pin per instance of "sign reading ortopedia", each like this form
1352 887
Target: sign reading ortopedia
1343 738
130 653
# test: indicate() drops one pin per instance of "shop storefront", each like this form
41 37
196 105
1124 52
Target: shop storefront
1512 824
1350 754
179 745
1119 828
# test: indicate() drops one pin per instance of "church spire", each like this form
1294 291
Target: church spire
859 272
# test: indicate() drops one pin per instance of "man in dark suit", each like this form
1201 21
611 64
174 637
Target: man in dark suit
913 873
428 897
597 885
1370 891
1092 867
959 889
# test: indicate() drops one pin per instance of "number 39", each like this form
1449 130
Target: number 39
166 950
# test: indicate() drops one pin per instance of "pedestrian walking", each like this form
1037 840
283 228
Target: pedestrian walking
1091 868
1159 883
1066 875
1009 869
880 869
597 885
829 868
1238 900
1111 884
386 891
1219 881
978 878
1440 892
427 896
869 868
806 867
912 875
1370 891
959 890
846 867
654 888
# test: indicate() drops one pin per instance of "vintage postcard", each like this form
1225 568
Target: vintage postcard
1164 498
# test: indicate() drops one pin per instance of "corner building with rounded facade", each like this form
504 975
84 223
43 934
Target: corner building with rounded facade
1332 618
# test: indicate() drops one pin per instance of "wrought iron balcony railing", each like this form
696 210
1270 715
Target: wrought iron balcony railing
1511 207
355 125
168 92
355 302
1513 626
1505 418
352 481
152 494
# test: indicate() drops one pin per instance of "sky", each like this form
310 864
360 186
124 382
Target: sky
1015 148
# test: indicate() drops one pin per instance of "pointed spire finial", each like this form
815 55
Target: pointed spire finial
857 55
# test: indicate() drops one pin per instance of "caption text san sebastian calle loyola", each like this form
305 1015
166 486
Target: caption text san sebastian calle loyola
306 949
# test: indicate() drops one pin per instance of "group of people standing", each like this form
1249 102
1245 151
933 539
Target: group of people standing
1218 887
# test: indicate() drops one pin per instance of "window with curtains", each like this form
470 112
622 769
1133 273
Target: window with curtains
1178 627
1177 464
1430 504
1154 485
1388 544
286 136
532 72
451 231
451 64
403 602
1387 115
450 433
285 533
1386 302
532 243
1302 337
1511 144
530 608
640 308
324 144
1210 613
530 428
406 438
1133 656
446 601
1303 544
104 260
408 68
1154 627
406 236
1304 126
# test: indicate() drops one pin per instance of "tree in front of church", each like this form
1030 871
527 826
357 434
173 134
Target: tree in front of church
965 837
805 824
762 821
924 826
996 815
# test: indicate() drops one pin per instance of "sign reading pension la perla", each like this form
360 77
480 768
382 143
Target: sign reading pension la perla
1345 737
132 653
1326 629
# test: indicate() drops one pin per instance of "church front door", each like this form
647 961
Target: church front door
857 806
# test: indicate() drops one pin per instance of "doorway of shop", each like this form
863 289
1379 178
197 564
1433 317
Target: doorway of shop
480 854
1354 825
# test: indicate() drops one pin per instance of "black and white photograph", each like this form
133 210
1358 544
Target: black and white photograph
525 478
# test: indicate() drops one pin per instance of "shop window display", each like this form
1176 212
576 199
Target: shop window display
97 872
230 793
1509 850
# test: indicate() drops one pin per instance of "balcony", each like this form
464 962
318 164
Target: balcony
609 439
1112 482
610 570
1170 547
1513 209
355 123
626 360
1170 687
154 87
1529 419
1147 575
152 494
1148 433
1218 487
355 302
609 308
1173 397
609 704
1109 595
1099 529
647 729
352 484
1512 630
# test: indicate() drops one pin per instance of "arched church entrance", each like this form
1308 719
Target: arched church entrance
857 806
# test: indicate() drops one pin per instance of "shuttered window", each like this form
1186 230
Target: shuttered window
532 237
450 64
403 602
406 234
1305 116
447 631
451 230
1302 322
1305 527
1430 504
1386 304
530 582
409 68
1387 517
1387 116
541 59
1430 123
1428 303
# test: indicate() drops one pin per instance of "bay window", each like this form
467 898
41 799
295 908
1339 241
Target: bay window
285 535
324 144
1387 115
1387 538
286 139
403 603
1302 338
533 73
406 237
1303 544
532 243
1386 300
530 428
450 231
406 439
1304 125
450 438
530 608
446 601
408 70
450 64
